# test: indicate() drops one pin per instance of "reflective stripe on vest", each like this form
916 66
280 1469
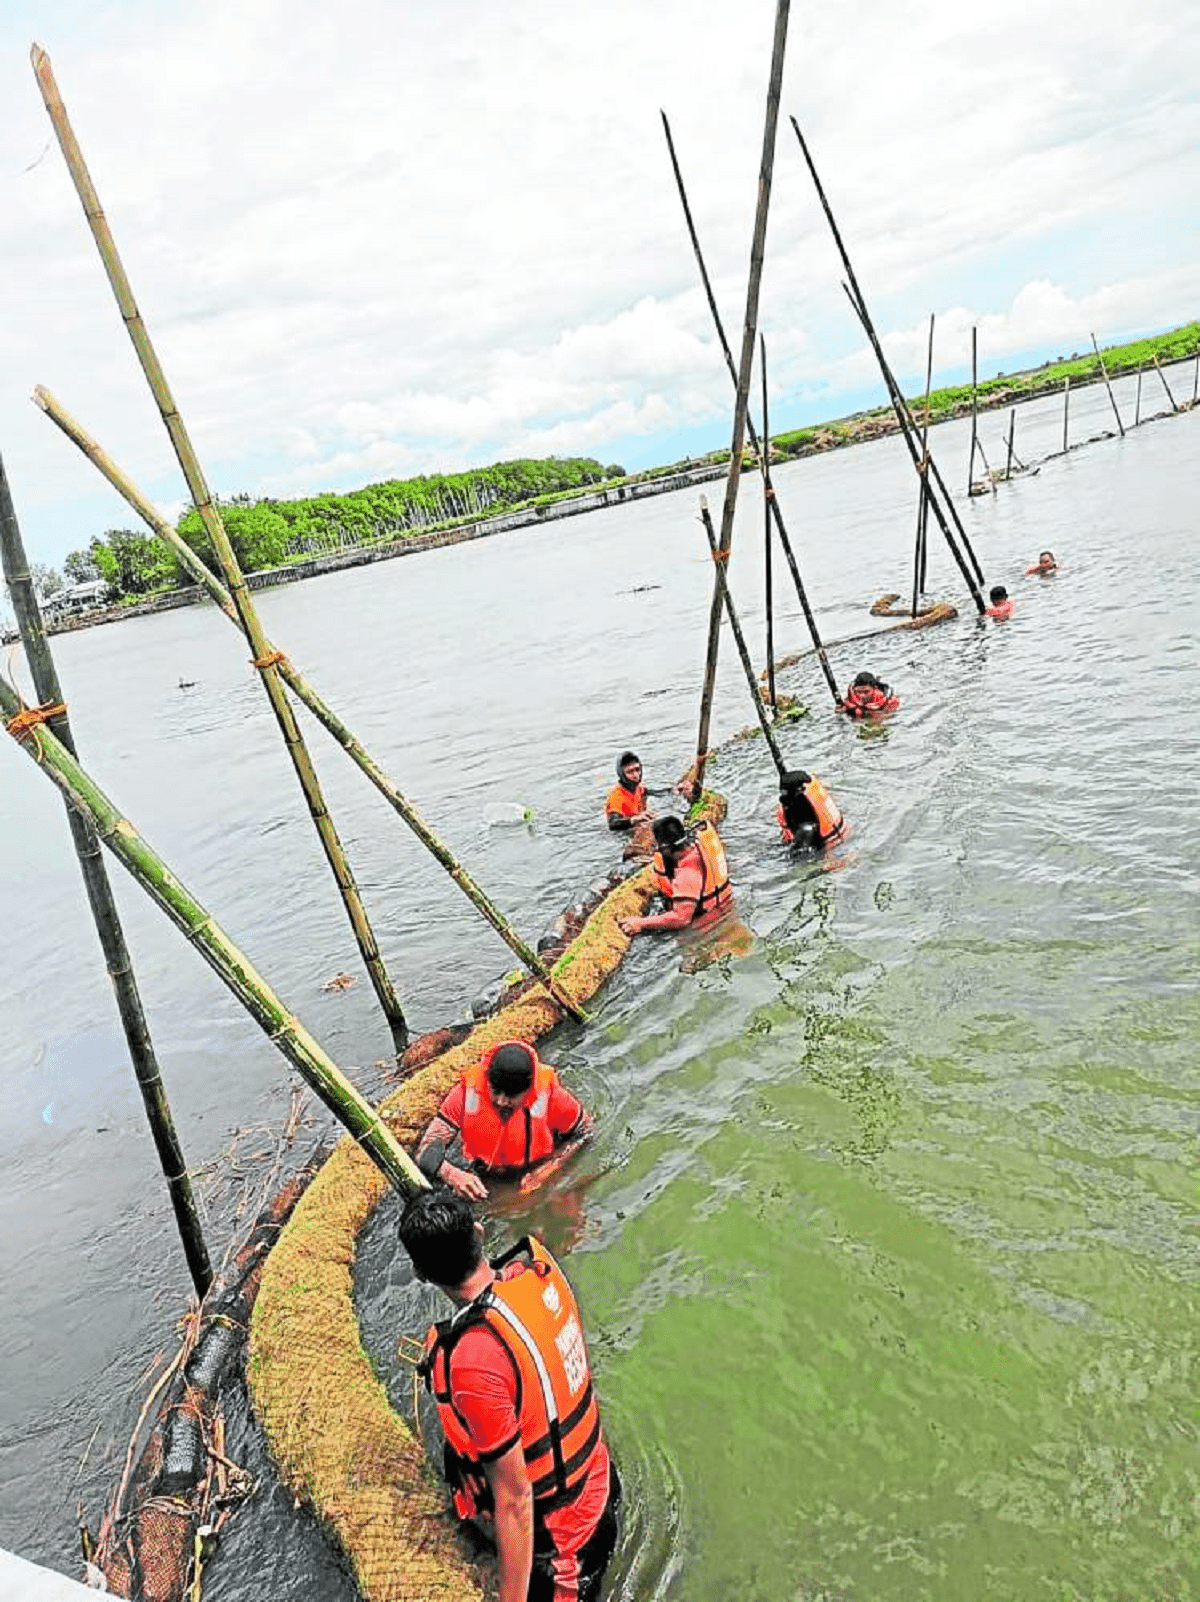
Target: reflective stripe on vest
518 1141
829 818
536 1319
716 870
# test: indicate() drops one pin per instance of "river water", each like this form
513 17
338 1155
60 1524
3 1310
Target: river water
887 1244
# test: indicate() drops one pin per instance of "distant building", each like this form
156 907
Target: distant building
75 598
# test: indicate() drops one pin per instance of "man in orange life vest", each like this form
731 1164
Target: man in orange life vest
808 815
511 1114
692 874
626 804
524 1453
869 697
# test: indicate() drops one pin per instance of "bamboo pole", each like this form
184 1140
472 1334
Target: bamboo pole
1196 380
745 367
1112 398
974 406
203 932
104 908
907 432
304 692
1066 408
264 660
776 513
720 562
919 556
1012 432
1165 385
1137 405
899 405
768 496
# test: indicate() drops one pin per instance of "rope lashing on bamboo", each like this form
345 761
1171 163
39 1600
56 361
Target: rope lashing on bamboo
272 659
720 556
21 725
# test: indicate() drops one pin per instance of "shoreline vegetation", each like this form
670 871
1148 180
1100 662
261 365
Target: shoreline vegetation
279 542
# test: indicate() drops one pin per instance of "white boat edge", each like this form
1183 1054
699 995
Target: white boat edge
22 1581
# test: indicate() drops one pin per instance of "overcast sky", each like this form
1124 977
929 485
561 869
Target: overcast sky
375 238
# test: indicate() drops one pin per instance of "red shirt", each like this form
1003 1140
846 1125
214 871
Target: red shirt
483 1384
563 1111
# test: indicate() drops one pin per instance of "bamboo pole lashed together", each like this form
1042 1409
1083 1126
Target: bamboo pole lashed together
1165 385
1112 398
104 908
304 693
264 659
1137 402
773 500
974 406
1012 434
720 563
203 932
745 366
1066 408
768 497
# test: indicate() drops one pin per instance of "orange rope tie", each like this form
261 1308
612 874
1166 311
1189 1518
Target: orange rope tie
720 556
769 494
31 716
272 659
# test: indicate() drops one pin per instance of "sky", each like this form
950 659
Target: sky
376 239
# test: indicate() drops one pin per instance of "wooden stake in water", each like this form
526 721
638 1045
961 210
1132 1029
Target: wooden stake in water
1165 385
304 692
768 497
104 908
1112 398
720 562
264 659
749 332
919 557
1012 433
1137 405
1066 408
773 501
203 932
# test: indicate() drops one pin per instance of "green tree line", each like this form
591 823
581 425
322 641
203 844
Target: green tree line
269 533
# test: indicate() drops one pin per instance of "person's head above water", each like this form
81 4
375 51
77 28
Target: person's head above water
1046 559
669 834
794 782
997 593
439 1232
629 770
866 681
510 1069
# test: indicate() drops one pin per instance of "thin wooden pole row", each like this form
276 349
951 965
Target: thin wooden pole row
772 499
304 692
265 660
204 933
104 908
745 366
920 555
1112 398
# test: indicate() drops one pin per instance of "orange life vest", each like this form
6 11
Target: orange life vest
1002 610
625 803
715 889
866 700
518 1141
830 821
536 1319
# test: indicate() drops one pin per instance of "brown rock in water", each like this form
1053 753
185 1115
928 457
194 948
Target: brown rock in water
883 606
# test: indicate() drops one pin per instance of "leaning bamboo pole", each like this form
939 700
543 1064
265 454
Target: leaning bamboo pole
920 554
773 499
1137 402
1165 385
974 405
1012 435
304 693
745 367
899 405
146 1070
768 497
1066 408
264 659
233 967
720 562
1112 398
908 434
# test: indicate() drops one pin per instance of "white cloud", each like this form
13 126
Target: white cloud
377 239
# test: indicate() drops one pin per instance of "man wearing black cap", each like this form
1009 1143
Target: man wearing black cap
511 1114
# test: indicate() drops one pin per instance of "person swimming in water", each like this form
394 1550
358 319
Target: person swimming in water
1046 565
1002 606
808 815
869 697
